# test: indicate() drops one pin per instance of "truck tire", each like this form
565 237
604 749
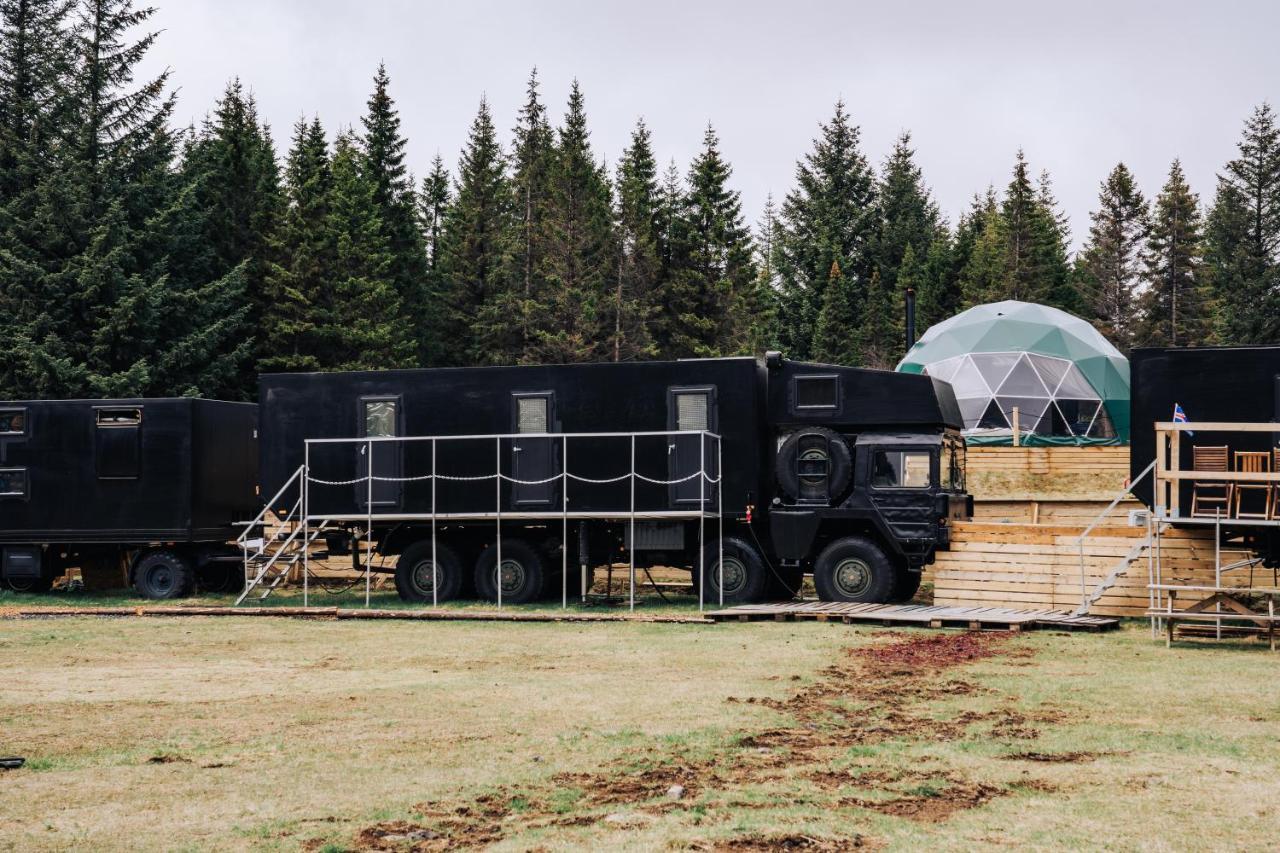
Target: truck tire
745 576
163 574
29 585
905 586
819 444
219 576
523 576
414 575
854 569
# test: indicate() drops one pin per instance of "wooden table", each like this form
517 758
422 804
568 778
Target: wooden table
1235 610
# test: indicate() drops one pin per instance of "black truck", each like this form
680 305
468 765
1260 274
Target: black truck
150 487
850 474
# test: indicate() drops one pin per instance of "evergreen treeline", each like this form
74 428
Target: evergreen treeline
141 259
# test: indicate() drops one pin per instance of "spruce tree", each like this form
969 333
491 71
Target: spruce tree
909 217
829 216
764 316
1023 232
433 210
396 208
706 306
369 329
302 310
937 287
1174 305
571 316
637 281
35 56
1053 237
510 313
231 173
476 231
985 274
1243 236
1111 264
838 334
882 324
113 312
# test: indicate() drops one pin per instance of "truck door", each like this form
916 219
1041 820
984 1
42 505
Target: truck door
533 455
379 417
691 410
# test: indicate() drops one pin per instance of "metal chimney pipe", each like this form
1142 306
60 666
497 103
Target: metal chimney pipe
911 317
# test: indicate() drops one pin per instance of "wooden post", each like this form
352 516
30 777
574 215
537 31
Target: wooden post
1175 463
1017 440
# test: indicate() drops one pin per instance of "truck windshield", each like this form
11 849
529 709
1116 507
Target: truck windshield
900 469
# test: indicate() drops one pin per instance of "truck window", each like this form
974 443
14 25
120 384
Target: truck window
380 418
13 482
900 469
693 411
531 415
817 392
119 417
13 421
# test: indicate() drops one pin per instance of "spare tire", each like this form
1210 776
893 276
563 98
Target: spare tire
814 465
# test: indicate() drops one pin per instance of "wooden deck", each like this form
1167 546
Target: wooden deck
973 618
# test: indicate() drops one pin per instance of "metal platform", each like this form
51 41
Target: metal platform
973 618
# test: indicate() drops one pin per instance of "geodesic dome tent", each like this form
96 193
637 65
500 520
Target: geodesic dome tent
1069 384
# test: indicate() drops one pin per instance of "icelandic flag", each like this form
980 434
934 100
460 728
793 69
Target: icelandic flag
1180 417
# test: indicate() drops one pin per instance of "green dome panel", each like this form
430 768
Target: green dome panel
1062 351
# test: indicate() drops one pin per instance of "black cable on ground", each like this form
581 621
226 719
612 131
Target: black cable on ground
654 584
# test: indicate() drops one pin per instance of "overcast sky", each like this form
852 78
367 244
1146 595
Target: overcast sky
1079 86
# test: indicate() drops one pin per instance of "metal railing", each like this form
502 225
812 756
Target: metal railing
629 514
1085 601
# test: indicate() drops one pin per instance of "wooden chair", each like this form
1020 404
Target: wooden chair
1253 462
1275 487
1209 499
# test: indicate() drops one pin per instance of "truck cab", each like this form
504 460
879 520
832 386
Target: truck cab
867 484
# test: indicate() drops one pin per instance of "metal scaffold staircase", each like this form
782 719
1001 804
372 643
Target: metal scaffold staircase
271 558
1088 599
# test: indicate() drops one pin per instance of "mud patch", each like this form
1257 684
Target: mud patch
789 842
929 804
1055 757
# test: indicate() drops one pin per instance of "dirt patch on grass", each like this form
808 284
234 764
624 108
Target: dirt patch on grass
789 842
871 695
1055 757
929 804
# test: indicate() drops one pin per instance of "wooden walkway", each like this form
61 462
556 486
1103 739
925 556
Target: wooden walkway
974 618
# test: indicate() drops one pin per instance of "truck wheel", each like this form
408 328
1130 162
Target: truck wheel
163 574
745 577
415 577
220 576
523 578
905 585
853 569
30 585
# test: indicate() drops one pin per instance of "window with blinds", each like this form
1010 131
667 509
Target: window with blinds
693 411
531 415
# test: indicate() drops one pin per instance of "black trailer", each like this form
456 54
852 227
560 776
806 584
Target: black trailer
851 474
152 486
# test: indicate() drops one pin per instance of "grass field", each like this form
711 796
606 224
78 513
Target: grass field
228 733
